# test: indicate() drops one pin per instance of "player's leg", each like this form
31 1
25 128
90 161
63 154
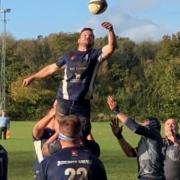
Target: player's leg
80 108
4 132
62 108
1 131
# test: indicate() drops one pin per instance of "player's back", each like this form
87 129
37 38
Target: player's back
72 163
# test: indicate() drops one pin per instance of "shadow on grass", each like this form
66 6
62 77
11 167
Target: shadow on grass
21 165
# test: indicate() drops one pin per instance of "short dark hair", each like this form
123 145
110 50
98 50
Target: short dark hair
154 123
86 29
70 126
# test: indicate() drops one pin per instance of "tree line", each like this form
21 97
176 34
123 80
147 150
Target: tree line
144 77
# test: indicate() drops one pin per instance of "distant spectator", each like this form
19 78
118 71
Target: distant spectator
171 150
4 122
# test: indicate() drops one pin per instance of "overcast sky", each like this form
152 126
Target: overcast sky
137 19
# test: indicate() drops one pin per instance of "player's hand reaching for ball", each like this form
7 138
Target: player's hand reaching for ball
116 129
107 26
111 102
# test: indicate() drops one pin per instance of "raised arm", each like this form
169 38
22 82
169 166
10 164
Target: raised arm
44 72
109 48
140 129
117 131
39 127
114 107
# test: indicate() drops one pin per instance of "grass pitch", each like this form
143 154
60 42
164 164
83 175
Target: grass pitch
21 152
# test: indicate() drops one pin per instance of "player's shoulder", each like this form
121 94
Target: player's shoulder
70 54
52 158
65 56
92 146
77 152
96 50
72 152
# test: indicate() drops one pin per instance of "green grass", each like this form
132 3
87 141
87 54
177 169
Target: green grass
21 152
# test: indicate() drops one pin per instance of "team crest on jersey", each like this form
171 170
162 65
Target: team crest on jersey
74 153
72 57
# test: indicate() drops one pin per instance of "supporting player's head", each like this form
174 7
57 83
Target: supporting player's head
152 123
86 38
70 127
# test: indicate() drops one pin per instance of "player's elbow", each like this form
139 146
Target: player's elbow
37 132
131 153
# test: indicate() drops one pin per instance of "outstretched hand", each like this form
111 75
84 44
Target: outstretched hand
116 129
27 81
111 102
107 26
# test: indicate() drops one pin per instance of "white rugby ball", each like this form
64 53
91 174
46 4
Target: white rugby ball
97 6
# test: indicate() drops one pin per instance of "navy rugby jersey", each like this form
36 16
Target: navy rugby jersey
72 163
80 69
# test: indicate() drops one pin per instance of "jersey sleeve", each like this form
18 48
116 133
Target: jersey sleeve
141 130
61 61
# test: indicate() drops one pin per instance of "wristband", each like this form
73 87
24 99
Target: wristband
116 110
119 135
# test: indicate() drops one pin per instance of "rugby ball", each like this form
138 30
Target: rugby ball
97 6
